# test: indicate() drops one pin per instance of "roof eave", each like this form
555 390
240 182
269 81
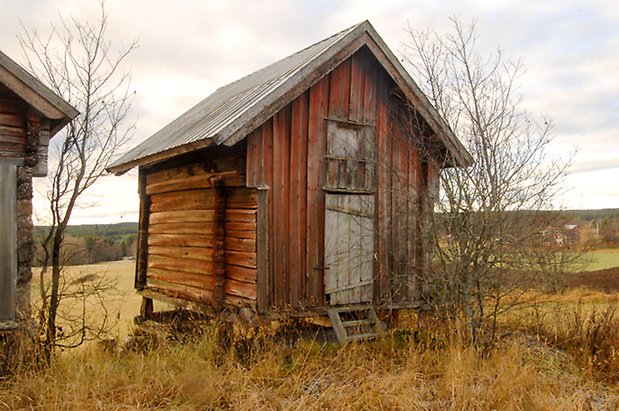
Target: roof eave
152 159
36 94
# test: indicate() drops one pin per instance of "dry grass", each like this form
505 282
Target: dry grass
401 371
562 356
122 304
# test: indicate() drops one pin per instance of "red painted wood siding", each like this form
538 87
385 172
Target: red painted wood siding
287 154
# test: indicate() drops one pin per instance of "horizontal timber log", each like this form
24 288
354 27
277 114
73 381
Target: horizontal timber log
242 216
181 292
240 233
202 181
241 259
247 245
196 253
187 265
182 216
244 274
181 228
239 301
242 198
19 140
214 165
10 105
202 281
236 226
12 120
183 200
240 289
170 173
181 240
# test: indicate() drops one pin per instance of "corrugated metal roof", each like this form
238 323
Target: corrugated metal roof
34 91
232 111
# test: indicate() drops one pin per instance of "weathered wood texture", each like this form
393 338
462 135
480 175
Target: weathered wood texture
13 115
349 248
182 239
290 155
8 241
240 285
24 133
200 230
211 240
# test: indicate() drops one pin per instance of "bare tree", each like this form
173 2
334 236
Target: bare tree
492 221
79 63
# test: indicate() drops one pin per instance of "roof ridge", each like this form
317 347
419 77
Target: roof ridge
296 53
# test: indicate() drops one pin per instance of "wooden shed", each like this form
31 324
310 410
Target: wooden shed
30 114
300 187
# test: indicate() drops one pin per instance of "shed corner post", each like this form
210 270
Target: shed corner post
218 258
146 309
262 248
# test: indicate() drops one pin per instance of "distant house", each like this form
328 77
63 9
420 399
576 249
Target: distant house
299 188
30 114
571 233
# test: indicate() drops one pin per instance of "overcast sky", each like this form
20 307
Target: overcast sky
189 48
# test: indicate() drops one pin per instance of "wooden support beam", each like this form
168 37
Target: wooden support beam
218 226
142 257
146 309
262 249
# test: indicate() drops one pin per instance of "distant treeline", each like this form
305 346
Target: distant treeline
591 215
111 231
92 243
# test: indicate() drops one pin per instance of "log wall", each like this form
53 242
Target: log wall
24 134
198 232
13 115
240 246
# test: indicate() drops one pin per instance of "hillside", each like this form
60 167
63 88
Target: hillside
107 231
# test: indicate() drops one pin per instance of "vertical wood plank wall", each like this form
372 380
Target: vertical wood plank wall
287 155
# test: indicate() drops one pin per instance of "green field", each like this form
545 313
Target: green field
602 259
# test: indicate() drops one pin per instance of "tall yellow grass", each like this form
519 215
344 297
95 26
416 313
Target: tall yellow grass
538 365
391 373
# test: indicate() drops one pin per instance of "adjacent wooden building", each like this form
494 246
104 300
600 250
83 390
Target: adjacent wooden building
30 114
302 186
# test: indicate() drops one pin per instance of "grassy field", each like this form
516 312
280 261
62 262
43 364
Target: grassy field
603 259
565 356
121 302
403 370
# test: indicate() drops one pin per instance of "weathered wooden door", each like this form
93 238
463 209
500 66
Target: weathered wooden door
349 248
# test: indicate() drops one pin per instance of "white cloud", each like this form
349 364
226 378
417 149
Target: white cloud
190 48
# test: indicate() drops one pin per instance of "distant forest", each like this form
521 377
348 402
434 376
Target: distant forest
590 215
94 243
597 228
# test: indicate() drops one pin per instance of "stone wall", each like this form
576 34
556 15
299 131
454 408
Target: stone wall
25 244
